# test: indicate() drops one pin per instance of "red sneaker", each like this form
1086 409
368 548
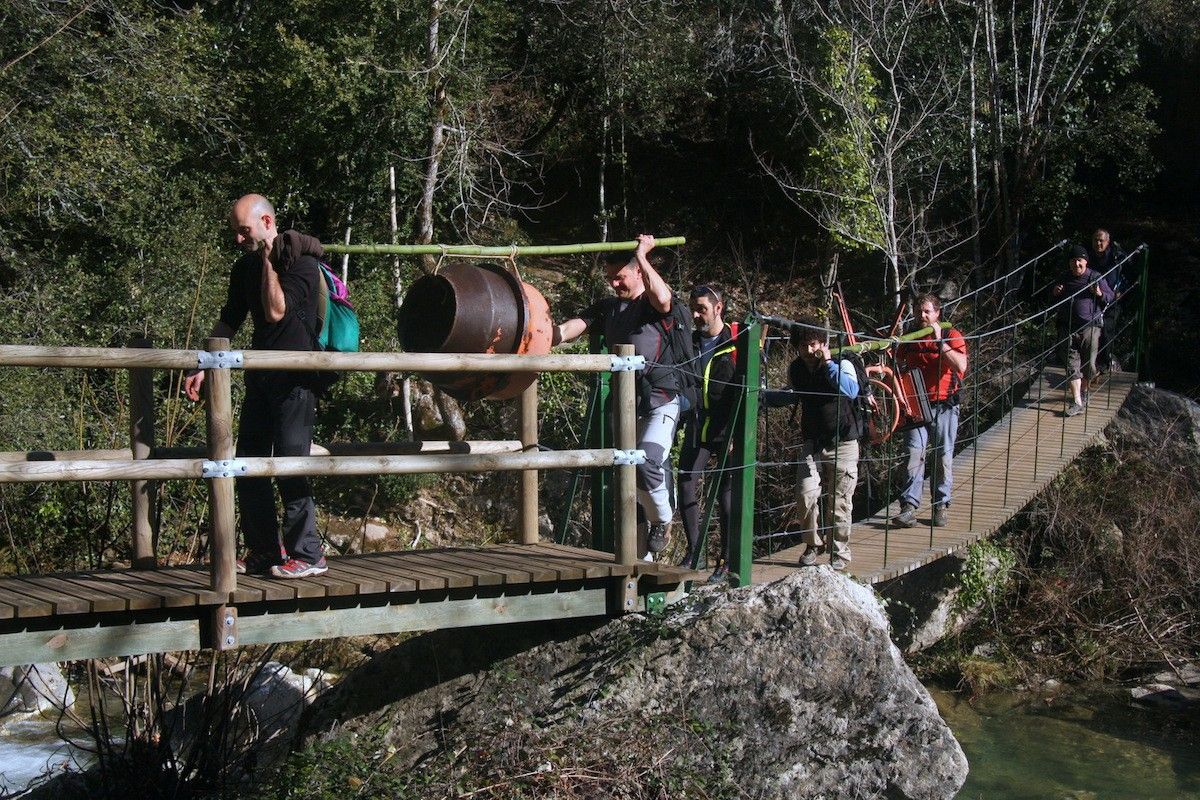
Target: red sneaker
295 568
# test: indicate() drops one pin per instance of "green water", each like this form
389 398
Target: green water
1080 747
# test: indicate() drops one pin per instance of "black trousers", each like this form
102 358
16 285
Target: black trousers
277 419
693 463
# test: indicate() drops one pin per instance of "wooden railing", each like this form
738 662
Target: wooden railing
145 462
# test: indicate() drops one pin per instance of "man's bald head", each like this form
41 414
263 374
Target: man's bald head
252 219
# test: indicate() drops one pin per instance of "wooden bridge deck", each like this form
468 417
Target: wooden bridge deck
991 484
123 612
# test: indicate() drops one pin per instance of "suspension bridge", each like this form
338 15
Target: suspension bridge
156 607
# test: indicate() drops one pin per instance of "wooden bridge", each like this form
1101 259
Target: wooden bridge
153 608
994 478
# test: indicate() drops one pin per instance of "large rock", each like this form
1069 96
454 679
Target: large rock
791 689
34 688
1158 419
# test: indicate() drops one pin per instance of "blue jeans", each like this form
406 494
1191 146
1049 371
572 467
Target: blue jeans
943 428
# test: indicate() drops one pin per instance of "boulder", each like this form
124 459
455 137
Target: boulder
34 689
791 689
1158 419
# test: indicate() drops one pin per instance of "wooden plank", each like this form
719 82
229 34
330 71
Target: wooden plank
476 574
64 644
135 599
98 601
587 554
60 603
425 580
563 569
420 563
590 569
170 596
25 605
473 559
367 566
7 611
366 583
397 618
537 571
189 579
276 589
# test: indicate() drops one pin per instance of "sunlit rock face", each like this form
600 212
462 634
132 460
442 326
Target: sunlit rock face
791 689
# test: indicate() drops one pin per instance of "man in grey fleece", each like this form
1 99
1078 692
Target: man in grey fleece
277 283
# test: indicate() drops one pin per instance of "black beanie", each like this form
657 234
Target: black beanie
1078 251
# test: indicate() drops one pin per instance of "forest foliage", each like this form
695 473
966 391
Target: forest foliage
921 140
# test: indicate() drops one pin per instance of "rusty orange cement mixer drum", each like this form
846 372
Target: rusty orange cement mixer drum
468 308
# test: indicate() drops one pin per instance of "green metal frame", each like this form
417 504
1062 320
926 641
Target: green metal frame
745 456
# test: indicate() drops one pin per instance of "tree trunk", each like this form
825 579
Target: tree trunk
437 117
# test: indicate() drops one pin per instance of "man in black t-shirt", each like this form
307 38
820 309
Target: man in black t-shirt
640 314
276 283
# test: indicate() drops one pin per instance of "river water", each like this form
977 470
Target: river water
1083 746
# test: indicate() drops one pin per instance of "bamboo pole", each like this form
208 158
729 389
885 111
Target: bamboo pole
141 438
222 540
290 466
512 250
127 358
529 478
625 434
332 449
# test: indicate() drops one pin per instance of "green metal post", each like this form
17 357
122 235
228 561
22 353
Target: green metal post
1141 365
745 455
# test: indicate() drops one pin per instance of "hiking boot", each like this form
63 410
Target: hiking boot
941 517
295 568
688 561
838 563
720 574
657 541
1074 410
906 518
809 557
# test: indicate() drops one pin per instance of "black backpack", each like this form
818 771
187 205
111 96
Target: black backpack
683 354
861 404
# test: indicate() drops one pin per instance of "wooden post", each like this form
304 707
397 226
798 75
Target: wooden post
141 442
529 478
222 538
745 454
600 435
625 433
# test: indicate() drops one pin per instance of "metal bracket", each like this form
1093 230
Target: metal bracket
224 628
627 458
221 359
656 602
225 468
627 364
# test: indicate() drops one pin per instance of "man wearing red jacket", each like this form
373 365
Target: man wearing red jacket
941 358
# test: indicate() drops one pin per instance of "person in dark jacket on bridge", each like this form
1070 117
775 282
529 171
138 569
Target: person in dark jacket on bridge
827 471
276 283
639 314
1082 295
1107 258
706 436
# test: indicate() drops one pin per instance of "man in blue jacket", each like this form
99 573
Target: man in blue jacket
830 430
1082 295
